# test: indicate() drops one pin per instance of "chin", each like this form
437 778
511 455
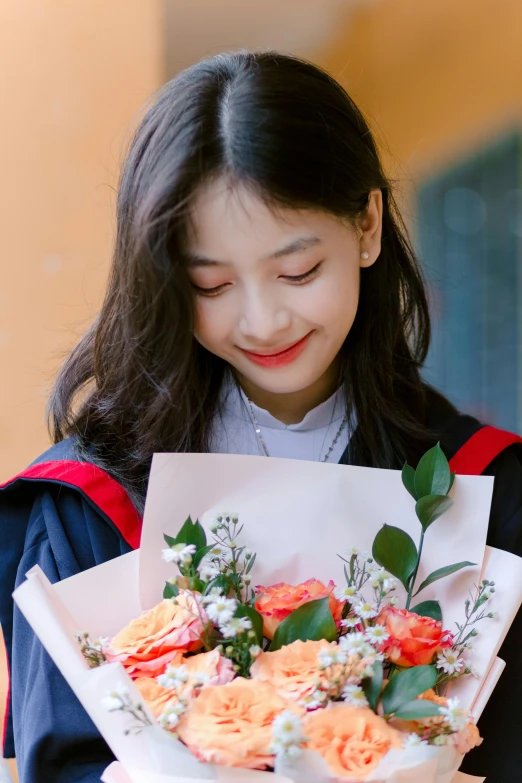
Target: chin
275 382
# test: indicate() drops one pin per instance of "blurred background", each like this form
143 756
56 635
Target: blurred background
440 82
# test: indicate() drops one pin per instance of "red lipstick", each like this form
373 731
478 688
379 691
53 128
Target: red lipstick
279 358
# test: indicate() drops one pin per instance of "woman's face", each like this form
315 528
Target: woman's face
276 292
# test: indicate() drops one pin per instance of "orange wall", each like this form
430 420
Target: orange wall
436 77
74 76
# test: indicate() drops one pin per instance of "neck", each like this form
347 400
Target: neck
291 408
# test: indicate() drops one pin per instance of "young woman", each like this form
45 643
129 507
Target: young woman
264 299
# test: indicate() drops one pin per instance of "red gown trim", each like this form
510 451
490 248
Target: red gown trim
97 485
480 450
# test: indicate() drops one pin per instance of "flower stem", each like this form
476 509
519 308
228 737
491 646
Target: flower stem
414 575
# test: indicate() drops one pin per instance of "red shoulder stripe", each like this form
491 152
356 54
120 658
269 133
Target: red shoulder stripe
480 450
104 491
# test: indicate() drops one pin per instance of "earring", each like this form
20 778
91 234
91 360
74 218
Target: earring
365 255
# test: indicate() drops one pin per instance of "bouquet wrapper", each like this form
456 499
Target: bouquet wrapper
297 516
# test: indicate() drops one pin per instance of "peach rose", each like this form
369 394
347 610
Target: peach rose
151 641
352 740
413 640
232 724
279 600
467 738
293 670
216 670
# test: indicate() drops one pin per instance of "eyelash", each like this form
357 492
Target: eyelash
296 279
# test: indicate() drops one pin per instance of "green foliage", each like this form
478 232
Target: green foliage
407 685
428 609
191 533
372 686
394 550
417 709
170 590
440 573
253 615
312 621
408 479
432 476
431 507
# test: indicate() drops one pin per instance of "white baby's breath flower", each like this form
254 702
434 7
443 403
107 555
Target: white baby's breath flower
235 626
199 679
345 593
179 553
113 700
365 610
450 662
354 696
455 718
255 650
221 609
413 741
170 716
326 658
313 700
173 677
376 634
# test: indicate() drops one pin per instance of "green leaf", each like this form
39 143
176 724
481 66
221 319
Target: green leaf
200 554
428 609
169 540
222 582
251 563
432 476
257 621
406 685
417 709
408 479
372 686
170 591
395 551
311 621
452 479
440 573
192 533
431 507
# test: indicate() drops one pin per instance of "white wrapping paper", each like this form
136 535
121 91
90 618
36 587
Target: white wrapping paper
297 516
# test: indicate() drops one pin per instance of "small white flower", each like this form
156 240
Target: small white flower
413 741
207 570
179 553
456 718
383 579
441 739
449 661
287 728
199 679
376 634
213 594
170 716
102 643
345 593
173 677
235 626
314 700
354 696
365 610
221 609
350 622
255 650
393 601
356 644
326 658
113 700
216 552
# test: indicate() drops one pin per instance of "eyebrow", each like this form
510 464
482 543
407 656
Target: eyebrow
296 246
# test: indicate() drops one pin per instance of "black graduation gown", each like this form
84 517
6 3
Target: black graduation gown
67 516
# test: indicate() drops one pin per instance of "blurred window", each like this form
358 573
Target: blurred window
470 239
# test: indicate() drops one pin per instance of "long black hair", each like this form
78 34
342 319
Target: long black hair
139 382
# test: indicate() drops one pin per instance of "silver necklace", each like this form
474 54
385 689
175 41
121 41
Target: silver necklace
262 443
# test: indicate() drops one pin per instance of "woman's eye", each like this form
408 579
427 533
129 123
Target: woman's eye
305 276
215 291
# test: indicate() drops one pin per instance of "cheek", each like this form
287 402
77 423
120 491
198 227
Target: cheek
334 303
213 321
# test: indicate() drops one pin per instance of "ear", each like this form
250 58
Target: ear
370 230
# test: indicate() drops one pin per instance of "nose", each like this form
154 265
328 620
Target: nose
263 318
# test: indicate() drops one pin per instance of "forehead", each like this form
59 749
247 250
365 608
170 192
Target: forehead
227 220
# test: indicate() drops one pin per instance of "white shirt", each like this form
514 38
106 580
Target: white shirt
234 431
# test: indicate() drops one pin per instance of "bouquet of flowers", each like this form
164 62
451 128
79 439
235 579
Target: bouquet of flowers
346 680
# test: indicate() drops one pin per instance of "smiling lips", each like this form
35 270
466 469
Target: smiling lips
281 358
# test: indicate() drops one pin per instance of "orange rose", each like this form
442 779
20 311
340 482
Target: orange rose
293 670
151 641
413 640
278 601
232 724
467 738
352 740
215 669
